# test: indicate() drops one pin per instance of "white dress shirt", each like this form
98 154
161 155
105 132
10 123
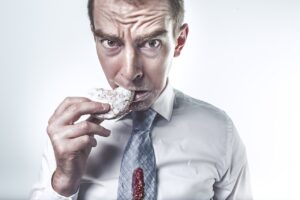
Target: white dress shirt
199 155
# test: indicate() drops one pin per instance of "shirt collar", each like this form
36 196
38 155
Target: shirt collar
164 103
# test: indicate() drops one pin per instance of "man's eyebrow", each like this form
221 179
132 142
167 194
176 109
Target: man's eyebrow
156 33
101 34
141 38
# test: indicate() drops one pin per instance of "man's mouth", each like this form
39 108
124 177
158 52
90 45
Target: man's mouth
140 95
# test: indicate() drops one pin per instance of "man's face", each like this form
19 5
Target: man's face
135 45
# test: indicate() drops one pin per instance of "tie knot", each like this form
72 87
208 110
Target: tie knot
142 120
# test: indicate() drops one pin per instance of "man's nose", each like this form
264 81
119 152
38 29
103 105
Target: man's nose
132 65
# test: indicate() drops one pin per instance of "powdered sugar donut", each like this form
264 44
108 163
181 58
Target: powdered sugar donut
119 100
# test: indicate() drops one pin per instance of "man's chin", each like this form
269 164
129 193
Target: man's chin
140 106
145 103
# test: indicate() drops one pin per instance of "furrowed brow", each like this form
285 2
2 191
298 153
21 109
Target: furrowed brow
154 34
99 33
141 38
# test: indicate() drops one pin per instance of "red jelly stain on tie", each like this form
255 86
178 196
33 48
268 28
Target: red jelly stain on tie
138 184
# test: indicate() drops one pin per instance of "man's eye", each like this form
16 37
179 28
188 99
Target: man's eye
109 44
152 44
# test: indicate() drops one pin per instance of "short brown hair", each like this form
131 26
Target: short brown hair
177 12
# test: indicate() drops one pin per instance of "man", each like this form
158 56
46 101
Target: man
198 153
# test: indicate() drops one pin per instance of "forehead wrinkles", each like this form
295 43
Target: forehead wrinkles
141 21
130 16
103 15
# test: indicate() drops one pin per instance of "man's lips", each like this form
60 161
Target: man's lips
140 95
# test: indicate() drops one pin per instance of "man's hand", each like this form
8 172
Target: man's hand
71 142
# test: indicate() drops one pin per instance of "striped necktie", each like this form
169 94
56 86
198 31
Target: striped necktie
137 178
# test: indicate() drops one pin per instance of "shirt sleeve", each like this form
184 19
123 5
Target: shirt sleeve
42 190
235 180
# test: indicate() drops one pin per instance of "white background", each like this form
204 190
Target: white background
242 56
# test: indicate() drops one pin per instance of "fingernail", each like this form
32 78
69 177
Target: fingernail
106 106
107 132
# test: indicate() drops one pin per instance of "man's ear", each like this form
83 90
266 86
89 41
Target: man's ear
181 39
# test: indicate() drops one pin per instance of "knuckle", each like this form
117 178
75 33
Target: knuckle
60 150
73 108
85 126
83 99
68 99
55 139
85 139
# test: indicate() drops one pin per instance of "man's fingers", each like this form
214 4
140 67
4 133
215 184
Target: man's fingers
83 142
65 104
84 128
94 120
76 144
75 111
